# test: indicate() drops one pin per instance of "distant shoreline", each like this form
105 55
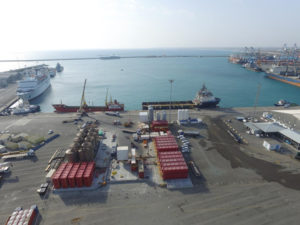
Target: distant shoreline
119 57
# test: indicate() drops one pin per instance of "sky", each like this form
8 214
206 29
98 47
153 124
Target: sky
30 25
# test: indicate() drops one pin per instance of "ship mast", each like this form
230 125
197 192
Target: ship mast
106 96
82 103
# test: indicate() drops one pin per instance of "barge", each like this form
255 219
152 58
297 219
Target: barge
203 99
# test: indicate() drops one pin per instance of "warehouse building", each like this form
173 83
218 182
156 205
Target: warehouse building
274 129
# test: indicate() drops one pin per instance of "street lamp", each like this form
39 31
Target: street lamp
171 84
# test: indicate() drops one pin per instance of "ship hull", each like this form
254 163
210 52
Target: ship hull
36 92
62 108
284 79
179 105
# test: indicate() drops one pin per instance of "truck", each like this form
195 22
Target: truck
194 168
5 167
28 154
117 114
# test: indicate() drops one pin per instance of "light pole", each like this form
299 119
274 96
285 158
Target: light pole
171 84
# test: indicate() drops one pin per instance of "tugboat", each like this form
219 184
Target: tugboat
109 106
59 68
203 99
281 102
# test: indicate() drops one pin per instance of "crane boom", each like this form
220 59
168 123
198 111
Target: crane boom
82 103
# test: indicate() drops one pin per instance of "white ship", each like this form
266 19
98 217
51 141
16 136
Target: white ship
35 84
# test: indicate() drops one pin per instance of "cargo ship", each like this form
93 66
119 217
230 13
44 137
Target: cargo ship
109 106
286 76
204 99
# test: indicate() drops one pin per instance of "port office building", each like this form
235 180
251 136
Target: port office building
275 130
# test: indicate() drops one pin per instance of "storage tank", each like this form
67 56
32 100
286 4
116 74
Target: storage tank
164 115
157 115
69 155
81 155
150 113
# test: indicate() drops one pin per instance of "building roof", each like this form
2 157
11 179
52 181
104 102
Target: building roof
251 126
293 135
269 127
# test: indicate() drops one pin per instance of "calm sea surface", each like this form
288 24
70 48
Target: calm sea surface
134 80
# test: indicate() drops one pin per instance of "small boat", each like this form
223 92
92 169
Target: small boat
59 68
281 102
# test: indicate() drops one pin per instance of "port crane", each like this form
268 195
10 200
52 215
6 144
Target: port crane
83 102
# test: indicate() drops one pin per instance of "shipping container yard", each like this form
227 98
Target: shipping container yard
172 163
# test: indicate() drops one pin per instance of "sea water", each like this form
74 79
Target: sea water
134 80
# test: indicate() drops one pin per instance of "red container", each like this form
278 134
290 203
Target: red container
174 169
159 123
79 174
162 161
55 177
171 157
169 153
175 176
172 164
72 175
64 176
88 174
141 174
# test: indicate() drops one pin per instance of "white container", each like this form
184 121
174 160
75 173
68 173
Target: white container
157 115
143 117
145 137
122 153
164 115
150 113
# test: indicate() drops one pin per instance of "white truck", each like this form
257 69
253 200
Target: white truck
5 167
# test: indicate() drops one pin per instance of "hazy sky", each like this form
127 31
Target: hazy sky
80 24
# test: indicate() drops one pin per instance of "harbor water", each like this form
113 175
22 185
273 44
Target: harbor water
134 80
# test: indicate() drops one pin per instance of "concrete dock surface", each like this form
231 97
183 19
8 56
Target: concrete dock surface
237 185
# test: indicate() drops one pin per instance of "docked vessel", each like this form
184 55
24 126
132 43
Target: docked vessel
25 110
109 106
284 74
204 99
36 83
52 72
59 68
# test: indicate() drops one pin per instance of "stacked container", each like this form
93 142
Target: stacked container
171 161
64 176
159 125
56 176
88 174
70 175
79 174
23 217
165 143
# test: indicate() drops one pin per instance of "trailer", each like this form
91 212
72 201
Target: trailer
28 154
